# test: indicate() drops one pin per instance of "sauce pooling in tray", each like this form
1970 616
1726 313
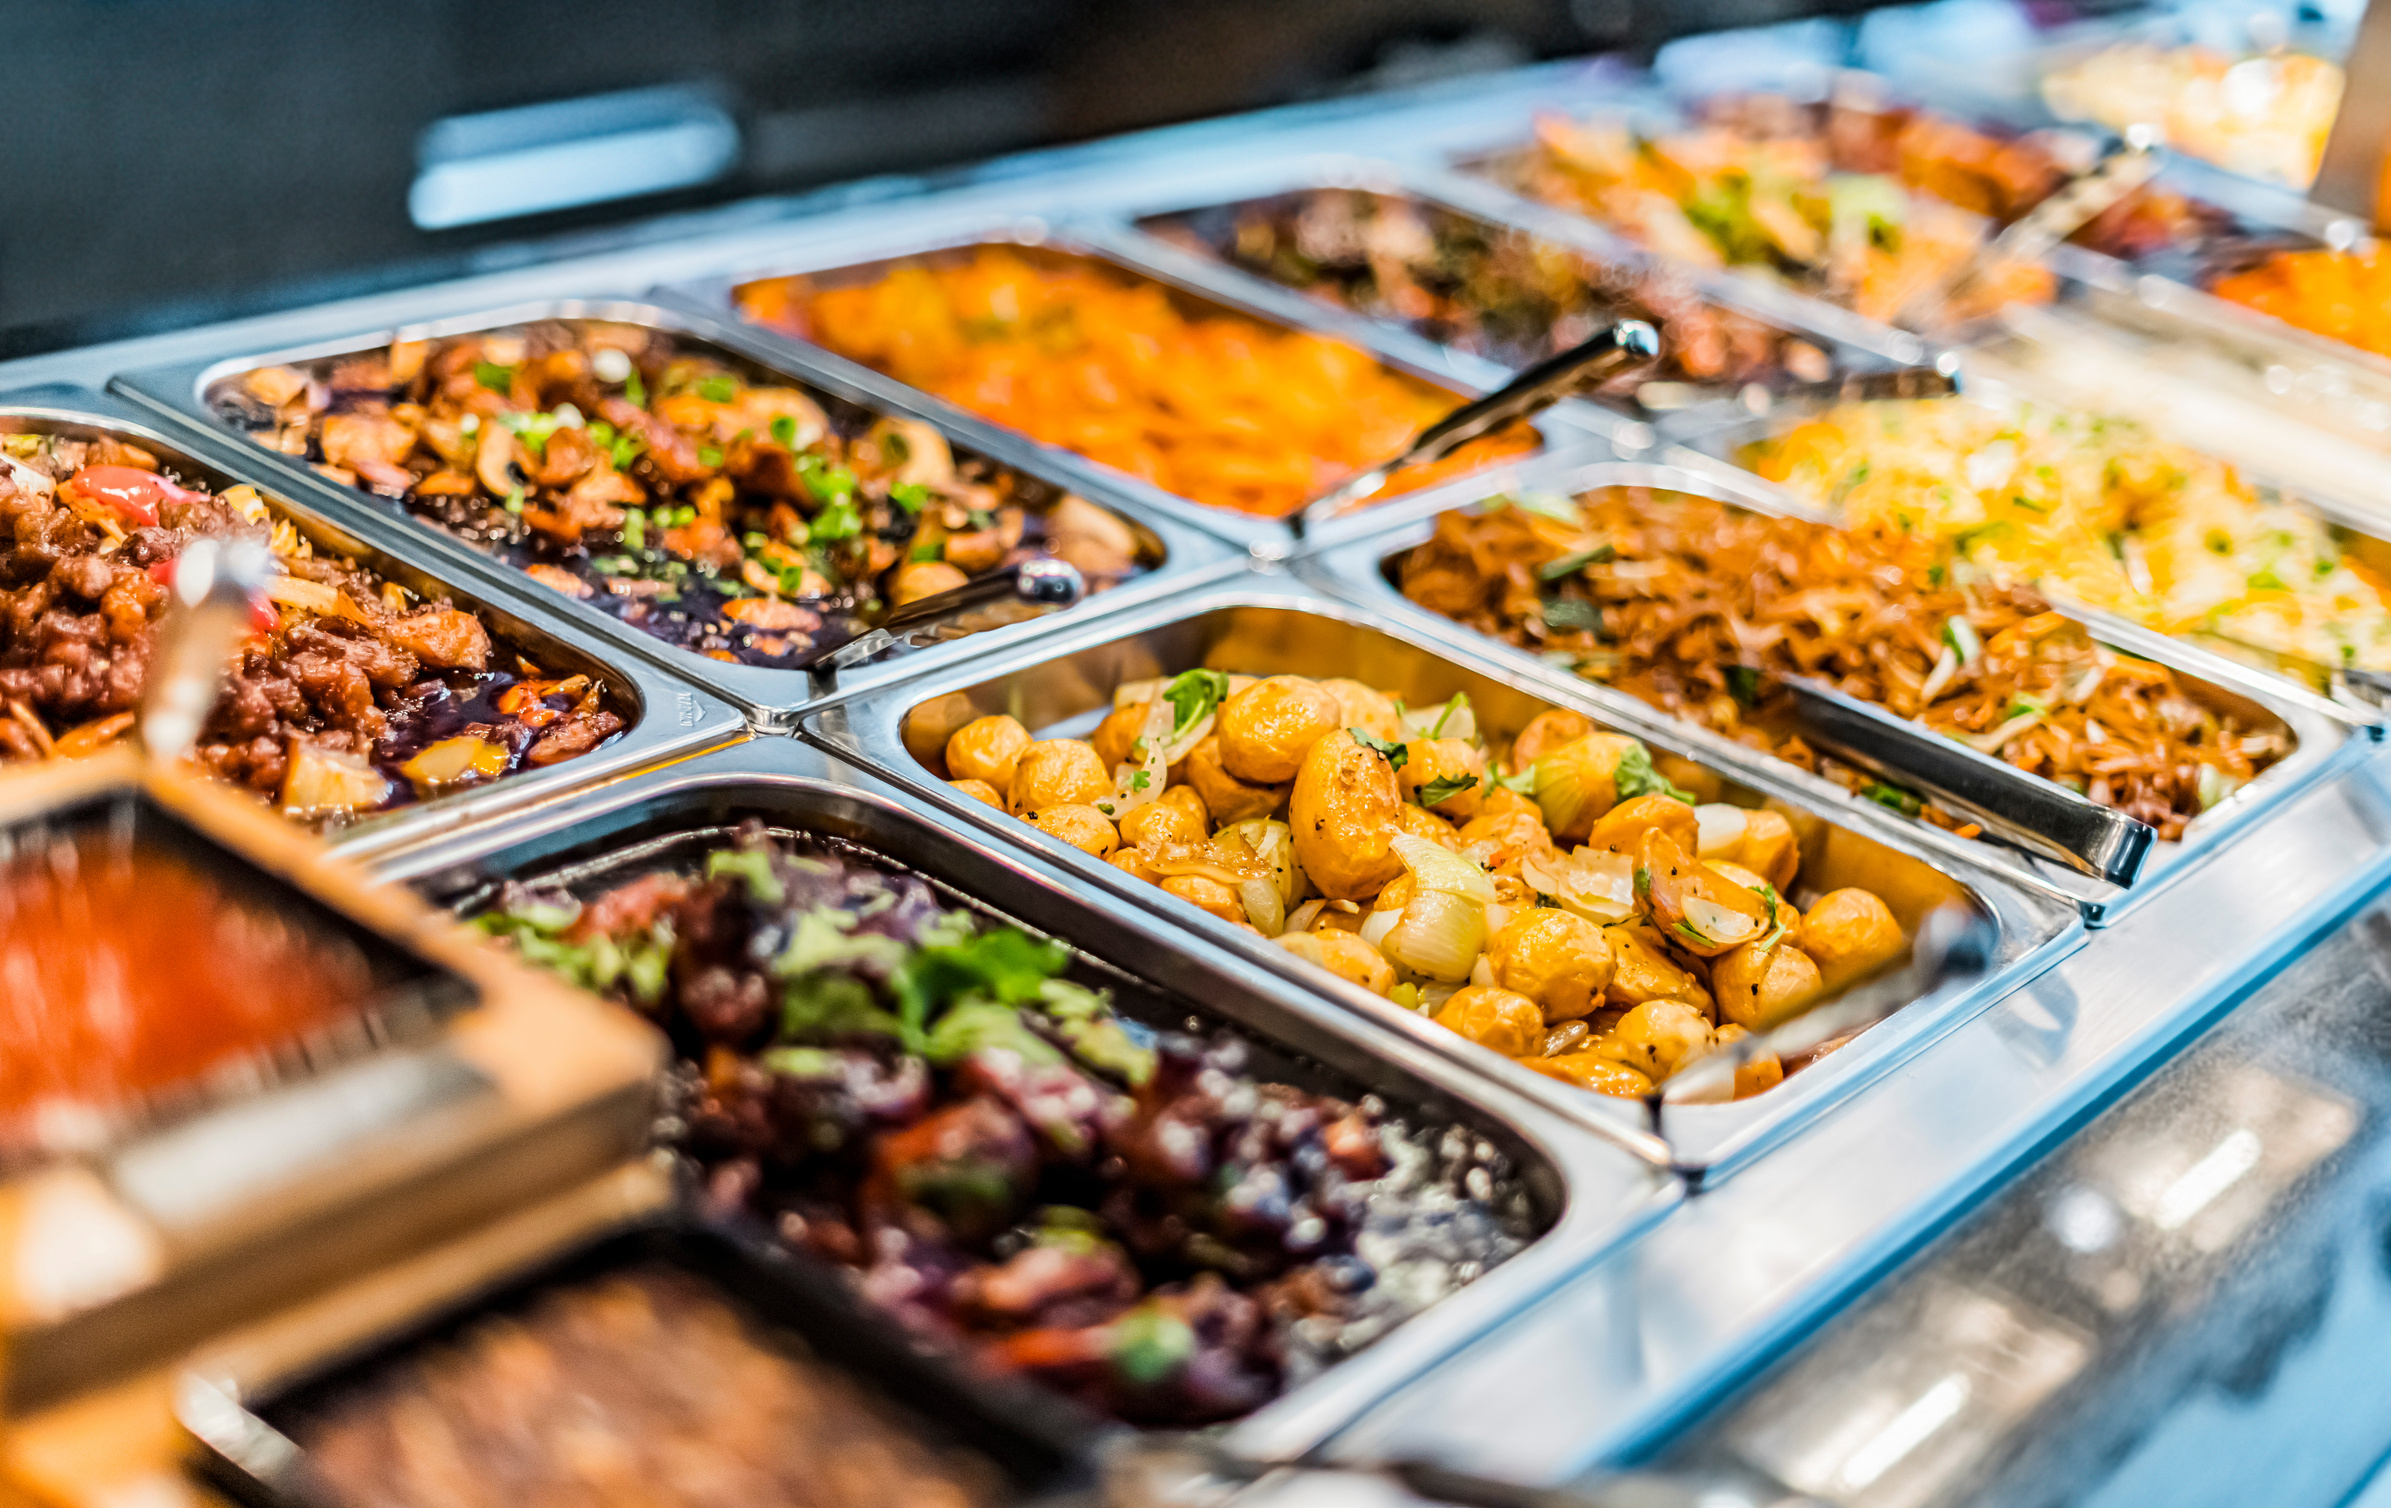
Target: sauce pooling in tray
352 694
645 1386
126 973
1135 1217
1210 405
735 518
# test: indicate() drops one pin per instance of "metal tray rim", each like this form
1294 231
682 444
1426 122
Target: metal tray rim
1305 1417
1110 241
2324 744
664 701
2037 928
770 696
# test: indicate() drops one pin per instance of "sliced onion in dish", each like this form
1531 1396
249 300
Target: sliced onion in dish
1722 828
1435 867
1597 886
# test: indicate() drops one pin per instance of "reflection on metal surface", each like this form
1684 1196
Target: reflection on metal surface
1919 1403
2146 1308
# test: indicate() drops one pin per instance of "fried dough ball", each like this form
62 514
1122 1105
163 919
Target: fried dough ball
1645 972
1058 772
1769 848
1622 828
987 748
1763 1073
1595 1071
1226 798
1344 955
1429 760
1117 732
1185 798
1345 812
1366 708
1657 1036
1848 933
1266 729
1206 895
1083 827
1161 821
1134 861
1557 959
1504 1020
1426 824
1545 732
980 790
1511 832
1758 987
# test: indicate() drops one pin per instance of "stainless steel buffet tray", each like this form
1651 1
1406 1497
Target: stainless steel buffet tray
1269 624
1709 441
1202 285
665 718
183 394
1899 749
1589 1192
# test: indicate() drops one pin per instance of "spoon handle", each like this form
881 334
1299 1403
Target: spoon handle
1624 346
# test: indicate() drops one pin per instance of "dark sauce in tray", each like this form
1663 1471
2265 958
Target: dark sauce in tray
1023 1154
727 512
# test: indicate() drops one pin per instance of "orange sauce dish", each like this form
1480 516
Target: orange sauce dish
1215 407
125 973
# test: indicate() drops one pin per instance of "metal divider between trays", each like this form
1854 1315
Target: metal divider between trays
770 696
2325 744
674 719
1611 1184
2036 928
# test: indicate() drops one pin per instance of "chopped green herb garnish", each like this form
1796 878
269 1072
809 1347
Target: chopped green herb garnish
910 496
1192 695
708 455
496 378
1743 684
1576 561
1635 777
718 389
1893 796
1445 788
1394 753
784 431
1568 615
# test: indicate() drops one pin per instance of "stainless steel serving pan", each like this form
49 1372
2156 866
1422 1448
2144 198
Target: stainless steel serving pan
664 717
771 696
1274 624
1894 746
1709 440
1204 285
1863 347
1590 1193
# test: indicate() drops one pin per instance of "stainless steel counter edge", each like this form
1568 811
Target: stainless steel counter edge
1659 1332
2037 928
2326 745
772 697
936 230
676 718
1610 1197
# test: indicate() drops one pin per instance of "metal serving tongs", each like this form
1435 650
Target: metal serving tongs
1190 1471
2030 237
1042 583
217 583
1953 944
1624 347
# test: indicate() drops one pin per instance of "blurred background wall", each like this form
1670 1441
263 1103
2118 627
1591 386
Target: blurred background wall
175 160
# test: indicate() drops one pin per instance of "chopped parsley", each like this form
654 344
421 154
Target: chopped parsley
1893 796
496 378
784 431
1192 695
1394 753
1635 777
718 389
1574 562
1445 787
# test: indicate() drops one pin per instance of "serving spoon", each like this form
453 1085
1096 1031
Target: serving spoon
1625 347
213 593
